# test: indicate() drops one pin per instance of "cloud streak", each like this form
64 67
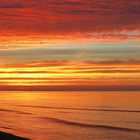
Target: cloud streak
69 16
69 43
71 73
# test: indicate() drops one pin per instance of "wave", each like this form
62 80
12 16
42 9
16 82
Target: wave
66 122
5 127
14 111
84 109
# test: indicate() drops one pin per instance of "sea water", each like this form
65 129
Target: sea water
71 115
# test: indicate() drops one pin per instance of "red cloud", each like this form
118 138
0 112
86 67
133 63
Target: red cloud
49 16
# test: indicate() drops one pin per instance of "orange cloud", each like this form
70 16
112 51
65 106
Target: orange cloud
29 24
70 73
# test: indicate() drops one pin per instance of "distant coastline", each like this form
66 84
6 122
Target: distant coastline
71 89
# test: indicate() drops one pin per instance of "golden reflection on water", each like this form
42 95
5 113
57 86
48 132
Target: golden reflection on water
117 99
34 114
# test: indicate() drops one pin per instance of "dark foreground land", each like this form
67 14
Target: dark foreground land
7 136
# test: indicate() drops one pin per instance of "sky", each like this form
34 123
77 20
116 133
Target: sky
70 45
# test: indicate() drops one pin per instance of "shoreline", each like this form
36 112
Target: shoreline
8 136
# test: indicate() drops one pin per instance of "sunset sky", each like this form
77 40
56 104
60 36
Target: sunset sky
69 44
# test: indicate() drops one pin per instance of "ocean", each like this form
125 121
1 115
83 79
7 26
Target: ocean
75 115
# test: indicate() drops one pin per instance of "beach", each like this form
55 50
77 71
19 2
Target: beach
7 136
